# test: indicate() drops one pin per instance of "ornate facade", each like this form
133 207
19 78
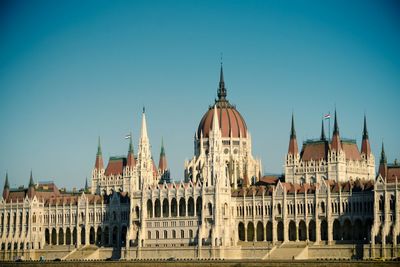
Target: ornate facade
329 197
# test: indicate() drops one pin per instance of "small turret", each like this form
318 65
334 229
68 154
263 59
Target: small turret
336 143
31 187
383 163
6 190
86 186
99 158
293 148
365 146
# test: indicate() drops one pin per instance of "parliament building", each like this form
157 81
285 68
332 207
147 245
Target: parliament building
330 202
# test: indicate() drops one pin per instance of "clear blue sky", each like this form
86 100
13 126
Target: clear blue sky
71 71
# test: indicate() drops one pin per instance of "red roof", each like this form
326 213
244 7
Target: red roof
229 120
115 166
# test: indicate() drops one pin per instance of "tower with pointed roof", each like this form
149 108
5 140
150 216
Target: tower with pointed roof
232 139
31 187
383 163
144 163
6 189
163 170
98 170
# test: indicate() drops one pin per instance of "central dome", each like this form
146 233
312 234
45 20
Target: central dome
230 121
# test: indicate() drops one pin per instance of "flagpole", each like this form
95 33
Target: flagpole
329 127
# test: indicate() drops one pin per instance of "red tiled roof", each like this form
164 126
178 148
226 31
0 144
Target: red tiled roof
115 166
392 173
315 151
351 151
229 119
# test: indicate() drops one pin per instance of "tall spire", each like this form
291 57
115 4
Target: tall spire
162 164
6 189
131 157
86 185
31 187
335 125
31 183
383 155
221 89
323 137
293 147
383 163
99 148
6 183
365 146
292 129
336 143
144 126
99 158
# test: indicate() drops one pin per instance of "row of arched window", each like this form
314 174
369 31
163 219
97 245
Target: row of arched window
169 234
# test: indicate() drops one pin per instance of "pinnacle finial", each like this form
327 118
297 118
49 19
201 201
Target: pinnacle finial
323 137
144 126
221 89
365 131
292 129
6 184
31 183
86 185
335 125
99 148
383 155
215 122
162 152
130 143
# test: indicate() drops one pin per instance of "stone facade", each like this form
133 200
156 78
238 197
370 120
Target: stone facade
329 194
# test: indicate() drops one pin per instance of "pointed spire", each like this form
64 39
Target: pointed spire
99 148
292 130
162 164
86 185
365 146
221 89
6 184
143 133
336 143
6 190
335 125
31 183
383 163
323 137
131 157
365 131
31 187
293 148
215 120
383 155
99 158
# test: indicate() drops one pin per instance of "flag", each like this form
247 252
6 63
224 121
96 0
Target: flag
127 136
327 116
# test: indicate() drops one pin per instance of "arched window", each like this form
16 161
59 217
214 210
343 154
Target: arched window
323 207
210 212
182 234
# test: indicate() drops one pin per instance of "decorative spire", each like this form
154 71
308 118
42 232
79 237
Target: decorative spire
323 137
383 163
6 184
383 155
221 89
293 148
292 130
31 183
336 143
6 190
99 158
131 157
99 148
335 125
31 187
365 131
365 146
86 186
144 126
215 126
162 164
